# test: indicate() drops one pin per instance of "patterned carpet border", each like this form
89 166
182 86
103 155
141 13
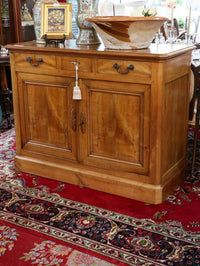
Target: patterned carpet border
127 239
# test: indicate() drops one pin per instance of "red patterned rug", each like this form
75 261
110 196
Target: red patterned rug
46 222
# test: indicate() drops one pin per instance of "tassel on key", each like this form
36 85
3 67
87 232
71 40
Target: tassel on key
76 90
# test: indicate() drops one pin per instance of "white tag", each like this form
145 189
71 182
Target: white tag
76 91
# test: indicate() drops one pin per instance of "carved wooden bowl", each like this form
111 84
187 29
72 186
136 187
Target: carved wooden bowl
124 32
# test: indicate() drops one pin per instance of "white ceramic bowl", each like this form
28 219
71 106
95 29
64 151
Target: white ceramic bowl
124 32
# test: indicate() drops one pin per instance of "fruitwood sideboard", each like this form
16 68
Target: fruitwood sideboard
128 134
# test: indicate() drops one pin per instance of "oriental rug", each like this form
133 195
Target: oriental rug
46 222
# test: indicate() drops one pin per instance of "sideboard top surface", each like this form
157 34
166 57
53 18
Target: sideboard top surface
155 51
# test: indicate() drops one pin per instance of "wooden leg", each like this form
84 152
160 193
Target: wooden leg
5 95
6 102
3 78
196 132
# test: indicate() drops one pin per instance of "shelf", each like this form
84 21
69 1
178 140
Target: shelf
15 30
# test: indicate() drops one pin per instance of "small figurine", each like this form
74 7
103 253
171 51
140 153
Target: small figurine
3 51
26 16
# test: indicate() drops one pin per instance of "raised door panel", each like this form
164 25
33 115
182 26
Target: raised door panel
115 132
175 115
47 115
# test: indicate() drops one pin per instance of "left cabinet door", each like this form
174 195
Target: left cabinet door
47 115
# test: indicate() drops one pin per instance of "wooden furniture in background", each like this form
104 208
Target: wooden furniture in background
1 29
128 134
16 32
4 62
5 92
22 33
195 99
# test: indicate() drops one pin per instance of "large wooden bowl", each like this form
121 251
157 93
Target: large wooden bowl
123 32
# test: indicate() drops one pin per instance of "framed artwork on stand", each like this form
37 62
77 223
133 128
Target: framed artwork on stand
56 21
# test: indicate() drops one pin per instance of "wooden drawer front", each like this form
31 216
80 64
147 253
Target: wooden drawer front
84 64
140 69
33 61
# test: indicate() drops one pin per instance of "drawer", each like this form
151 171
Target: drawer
28 61
126 69
84 64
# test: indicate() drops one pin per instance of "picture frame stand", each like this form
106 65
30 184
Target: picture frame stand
55 41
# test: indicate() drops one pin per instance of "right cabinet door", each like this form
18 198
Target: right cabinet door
114 125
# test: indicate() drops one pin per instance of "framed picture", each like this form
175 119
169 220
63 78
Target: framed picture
56 21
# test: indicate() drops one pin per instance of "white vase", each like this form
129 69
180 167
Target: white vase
37 17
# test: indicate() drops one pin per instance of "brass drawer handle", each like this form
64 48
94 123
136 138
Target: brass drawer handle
40 60
116 66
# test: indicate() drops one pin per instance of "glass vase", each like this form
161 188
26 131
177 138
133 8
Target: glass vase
37 17
87 34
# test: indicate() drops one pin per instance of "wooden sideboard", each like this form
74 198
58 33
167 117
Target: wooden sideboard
128 134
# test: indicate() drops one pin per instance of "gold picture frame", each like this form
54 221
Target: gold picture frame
56 21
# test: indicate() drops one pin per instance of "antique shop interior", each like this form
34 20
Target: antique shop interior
99 132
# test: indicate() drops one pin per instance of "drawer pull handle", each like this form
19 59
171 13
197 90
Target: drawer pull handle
116 66
40 60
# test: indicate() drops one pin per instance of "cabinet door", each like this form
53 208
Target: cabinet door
114 125
47 115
